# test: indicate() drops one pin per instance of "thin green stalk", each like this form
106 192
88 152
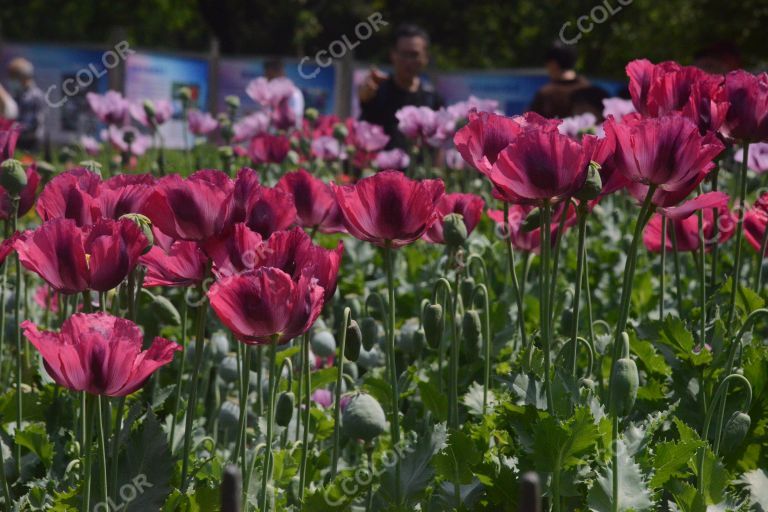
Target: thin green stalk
240 443
736 281
715 228
266 477
544 297
662 276
337 393
515 285
453 395
703 284
102 452
305 369
760 257
580 256
678 280
395 413
116 445
89 412
3 287
588 293
202 310
556 263
180 375
17 321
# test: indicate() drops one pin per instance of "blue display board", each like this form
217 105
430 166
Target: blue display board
65 74
234 74
514 91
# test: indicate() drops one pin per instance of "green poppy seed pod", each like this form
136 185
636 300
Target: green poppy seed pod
370 332
467 289
350 368
624 386
736 430
219 346
91 165
229 415
454 230
471 328
232 101
311 114
340 131
433 324
146 227
587 383
13 177
532 221
353 342
225 152
293 157
129 137
323 343
363 418
592 186
228 370
165 311
149 109
286 402
566 320
419 340
185 95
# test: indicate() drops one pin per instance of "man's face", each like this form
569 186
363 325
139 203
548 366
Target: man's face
553 69
409 57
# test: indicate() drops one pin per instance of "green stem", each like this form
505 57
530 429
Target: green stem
337 393
678 280
515 285
116 445
556 263
453 417
305 369
662 276
202 310
180 375
240 443
715 229
395 413
544 295
89 413
735 282
580 257
17 321
266 477
102 451
703 279
588 294
760 256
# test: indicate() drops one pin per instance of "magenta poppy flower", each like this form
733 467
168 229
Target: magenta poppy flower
90 145
708 103
747 118
116 136
392 159
315 202
658 89
757 158
182 264
9 136
542 166
99 354
26 196
388 209
529 241
196 208
667 152
6 247
368 137
268 210
163 112
73 259
481 140
323 398
201 123
110 108
266 302
469 206
756 222
417 122
686 225
266 149
617 107
327 148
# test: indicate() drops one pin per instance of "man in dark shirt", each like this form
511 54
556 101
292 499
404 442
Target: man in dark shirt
382 95
554 98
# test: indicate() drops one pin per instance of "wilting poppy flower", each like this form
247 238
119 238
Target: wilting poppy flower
182 264
268 210
26 197
659 89
747 118
201 123
529 241
9 135
73 259
686 225
266 148
99 354
315 202
667 152
262 303
469 206
195 208
481 140
388 209
541 166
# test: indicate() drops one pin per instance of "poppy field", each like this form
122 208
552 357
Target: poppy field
296 318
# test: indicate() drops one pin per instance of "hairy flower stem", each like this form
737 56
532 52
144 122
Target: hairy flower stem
305 370
735 281
116 446
102 451
678 280
395 413
240 443
544 299
89 413
180 375
266 476
17 322
663 273
703 284
337 393
580 257
515 285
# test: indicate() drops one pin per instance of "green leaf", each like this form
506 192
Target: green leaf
559 445
455 461
673 334
650 358
670 458
34 437
715 477
756 482
633 491
434 401
473 400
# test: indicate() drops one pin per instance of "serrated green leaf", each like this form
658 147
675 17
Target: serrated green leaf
715 477
455 461
434 401
671 457
34 437
473 400
559 445
756 482
633 491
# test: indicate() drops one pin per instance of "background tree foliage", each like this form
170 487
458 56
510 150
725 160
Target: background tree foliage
477 34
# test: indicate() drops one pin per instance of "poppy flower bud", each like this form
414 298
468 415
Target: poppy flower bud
350 368
370 332
293 157
566 320
232 101
286 402
149 110
146 227
736 430
624 385
165 311
311 114
92 166
593 186
129 137
353 342
323 344
454 230
228 370
363 418
471 329
467 289
13 178
229 415
433 324
185 95
532 221
340 131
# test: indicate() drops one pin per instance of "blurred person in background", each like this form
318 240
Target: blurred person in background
554 99
31 105
381 95
274 68
588 100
